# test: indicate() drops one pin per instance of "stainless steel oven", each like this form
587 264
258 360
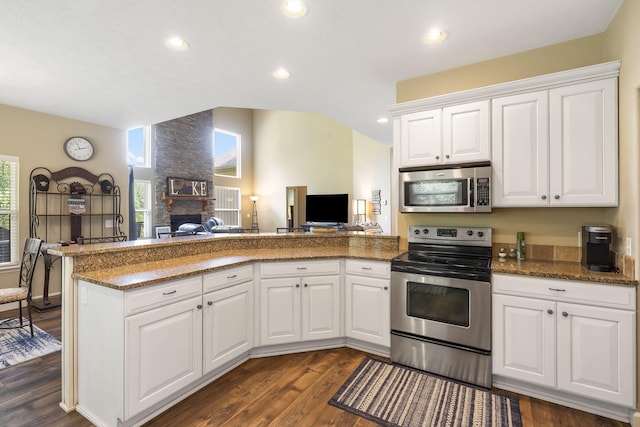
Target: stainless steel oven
441 303
456 188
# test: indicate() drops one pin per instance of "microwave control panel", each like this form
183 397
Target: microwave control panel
483 190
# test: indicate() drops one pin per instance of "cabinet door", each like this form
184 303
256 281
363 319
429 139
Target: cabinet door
584 144
279 311
228 324
524 339
465 132
520 144
320 307
596 348
163 353
421 138
367 309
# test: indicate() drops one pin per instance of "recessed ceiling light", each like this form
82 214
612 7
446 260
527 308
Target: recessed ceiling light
436 35
176 43
281 73
294 8
382 120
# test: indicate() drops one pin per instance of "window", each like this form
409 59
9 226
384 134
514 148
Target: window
228 205
142 201
9 245
138 147
226 152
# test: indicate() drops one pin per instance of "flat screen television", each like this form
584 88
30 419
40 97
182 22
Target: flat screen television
328 208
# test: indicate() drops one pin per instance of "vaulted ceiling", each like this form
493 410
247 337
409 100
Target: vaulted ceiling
105 61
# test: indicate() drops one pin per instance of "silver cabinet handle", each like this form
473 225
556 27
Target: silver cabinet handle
301 268
549 311
232 277
544 197
367 268
558 289
209 302
556 197
565 314
170 293
199 306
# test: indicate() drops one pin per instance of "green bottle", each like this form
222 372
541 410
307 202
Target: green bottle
520 245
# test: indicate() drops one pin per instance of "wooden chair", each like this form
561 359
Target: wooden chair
23 291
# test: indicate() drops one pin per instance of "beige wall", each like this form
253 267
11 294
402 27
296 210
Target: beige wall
548 226
239 120
298 149
37 140
372 171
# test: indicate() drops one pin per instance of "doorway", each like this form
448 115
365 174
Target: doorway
296 211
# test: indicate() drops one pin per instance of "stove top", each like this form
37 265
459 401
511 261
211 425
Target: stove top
459 252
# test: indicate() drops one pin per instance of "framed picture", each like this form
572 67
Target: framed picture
186 187
163 231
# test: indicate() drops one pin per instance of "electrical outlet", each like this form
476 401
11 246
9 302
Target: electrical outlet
627 246
108 223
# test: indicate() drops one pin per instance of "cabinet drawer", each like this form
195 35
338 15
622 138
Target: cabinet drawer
222 279
368 268
591 293
299 268
155 296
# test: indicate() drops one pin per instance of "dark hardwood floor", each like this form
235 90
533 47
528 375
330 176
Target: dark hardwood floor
290 390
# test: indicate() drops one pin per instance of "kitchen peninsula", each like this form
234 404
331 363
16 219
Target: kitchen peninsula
107 288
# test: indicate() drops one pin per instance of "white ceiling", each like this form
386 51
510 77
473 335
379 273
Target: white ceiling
104 61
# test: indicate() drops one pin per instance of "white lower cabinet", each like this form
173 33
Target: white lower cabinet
368 302
163 349
568 336
228 316
300 308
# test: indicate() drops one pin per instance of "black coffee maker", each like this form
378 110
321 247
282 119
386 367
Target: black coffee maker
596 240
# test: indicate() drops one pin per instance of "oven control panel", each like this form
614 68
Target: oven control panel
476 236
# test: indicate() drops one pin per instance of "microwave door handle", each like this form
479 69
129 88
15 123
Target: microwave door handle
471 192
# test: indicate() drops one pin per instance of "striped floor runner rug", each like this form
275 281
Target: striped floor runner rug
17 345
393 395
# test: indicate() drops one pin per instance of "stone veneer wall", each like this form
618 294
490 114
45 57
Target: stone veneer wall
183 149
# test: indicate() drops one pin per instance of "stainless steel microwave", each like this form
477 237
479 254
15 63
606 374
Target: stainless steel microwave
463 188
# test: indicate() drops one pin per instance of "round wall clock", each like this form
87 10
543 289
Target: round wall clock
79 148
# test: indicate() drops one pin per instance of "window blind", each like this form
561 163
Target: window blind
9 227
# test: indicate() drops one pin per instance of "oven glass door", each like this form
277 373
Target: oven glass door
447 309
438 303
450 192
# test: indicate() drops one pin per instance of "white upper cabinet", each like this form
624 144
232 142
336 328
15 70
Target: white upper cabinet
465 133
421 138
552 140
583 154
456 134
520 138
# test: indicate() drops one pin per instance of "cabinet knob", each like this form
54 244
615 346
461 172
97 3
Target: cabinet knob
385 288
556 197
544 197
565 314
209 302
549 311
305 285
437 157
447 156
297 285
199 306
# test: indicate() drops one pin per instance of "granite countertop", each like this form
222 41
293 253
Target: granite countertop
149 273
558 270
